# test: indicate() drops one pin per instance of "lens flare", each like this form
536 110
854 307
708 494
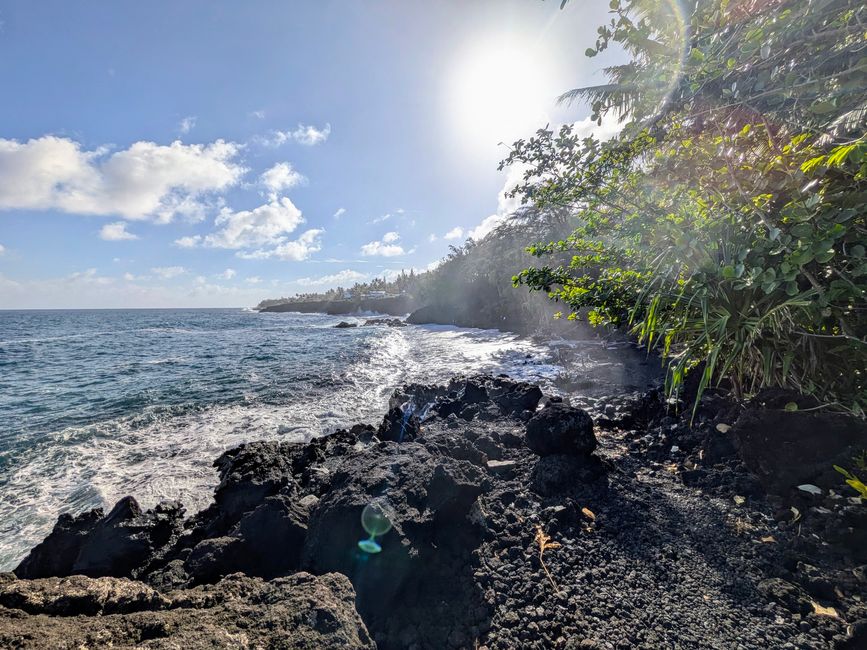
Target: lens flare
376 521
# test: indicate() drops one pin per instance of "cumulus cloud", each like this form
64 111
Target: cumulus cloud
260 233
265 224
305 134
346 277
454 233
144 181
340 212
187 124
2 249
228 274
281 176
295 250
386 247
116 232
168 272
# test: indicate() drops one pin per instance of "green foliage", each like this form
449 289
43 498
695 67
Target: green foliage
853 481
725 225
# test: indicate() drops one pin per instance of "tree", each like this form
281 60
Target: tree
725 225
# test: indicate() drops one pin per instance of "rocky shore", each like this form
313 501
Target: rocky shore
518 520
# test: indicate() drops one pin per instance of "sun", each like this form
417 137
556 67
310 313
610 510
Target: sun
500 90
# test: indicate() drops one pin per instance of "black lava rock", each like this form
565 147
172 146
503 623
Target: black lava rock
561 429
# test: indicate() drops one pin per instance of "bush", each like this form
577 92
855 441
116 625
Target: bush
725 225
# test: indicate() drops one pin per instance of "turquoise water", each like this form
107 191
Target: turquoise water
95 405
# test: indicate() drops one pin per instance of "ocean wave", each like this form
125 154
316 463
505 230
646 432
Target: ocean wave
155 433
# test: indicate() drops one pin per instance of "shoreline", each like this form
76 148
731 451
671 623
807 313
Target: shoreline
638 501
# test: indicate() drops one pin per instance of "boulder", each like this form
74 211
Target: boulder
561 429
398 426
114 545
301 611
343 325
426 551
786 449
384 322
266 542
55 555
250 473
558 473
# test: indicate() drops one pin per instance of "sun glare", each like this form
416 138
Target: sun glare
500 90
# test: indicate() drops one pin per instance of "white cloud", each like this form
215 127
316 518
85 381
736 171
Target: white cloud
454 233
259 115
188 242
116 232
310 135
260 233
505 205
340 212
610 126
432 238
281 176
387 247
305 134
295 251
2 249
254 279
263 225
144 181
187 124
88 289
346 277
228 274
168 272
384 217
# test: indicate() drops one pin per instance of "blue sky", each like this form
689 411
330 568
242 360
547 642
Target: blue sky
215 153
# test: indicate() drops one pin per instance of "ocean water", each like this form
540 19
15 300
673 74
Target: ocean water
96 405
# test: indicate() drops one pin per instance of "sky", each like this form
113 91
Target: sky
213 153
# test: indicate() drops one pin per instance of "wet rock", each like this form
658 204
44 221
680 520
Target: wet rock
248 474
514 397
383 322
301 611
344 325
114 545
561 429
398 426
429 498
55 555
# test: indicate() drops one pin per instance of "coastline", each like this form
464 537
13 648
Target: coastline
639 502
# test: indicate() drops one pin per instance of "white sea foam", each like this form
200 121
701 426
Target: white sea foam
167 452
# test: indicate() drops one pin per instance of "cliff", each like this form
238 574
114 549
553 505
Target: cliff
394 306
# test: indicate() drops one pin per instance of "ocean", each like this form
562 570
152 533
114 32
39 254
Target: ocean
99 404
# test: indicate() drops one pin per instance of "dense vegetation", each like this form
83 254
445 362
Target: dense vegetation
475 277
725 225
